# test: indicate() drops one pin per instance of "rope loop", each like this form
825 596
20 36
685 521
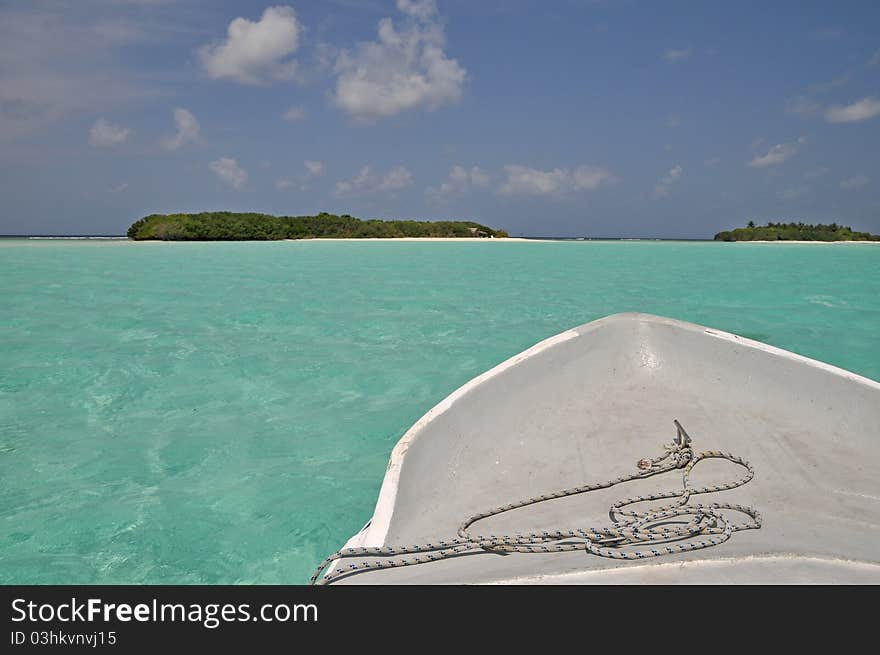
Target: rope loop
671 528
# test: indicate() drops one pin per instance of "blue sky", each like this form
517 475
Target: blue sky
561 117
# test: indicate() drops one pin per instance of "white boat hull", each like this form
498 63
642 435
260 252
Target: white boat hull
585 405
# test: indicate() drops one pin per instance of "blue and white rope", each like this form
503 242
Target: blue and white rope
647 533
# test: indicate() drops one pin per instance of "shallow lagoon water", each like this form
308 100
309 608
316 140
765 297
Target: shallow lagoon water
224 412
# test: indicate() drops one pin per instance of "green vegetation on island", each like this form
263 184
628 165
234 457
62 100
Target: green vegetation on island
233 226
794 232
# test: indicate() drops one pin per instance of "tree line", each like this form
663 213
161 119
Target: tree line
236 226
795 232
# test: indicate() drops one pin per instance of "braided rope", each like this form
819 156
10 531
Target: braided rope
649 530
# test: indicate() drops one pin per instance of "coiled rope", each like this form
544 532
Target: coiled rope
651 530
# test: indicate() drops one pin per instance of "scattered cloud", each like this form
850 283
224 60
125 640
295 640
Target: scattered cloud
777 154
119 188
806 104
861 110
295 113
406 68
875 60
661 190
396 178
187 130
254 52
674 55
714 161
531 181
314 168
793 193
106 135
57 64
856 182
460 181
423 10
366 181
673 121
228 170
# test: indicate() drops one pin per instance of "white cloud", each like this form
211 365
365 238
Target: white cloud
396 178
228 170
405 69
106 135
589 178
661 190
875 60
856 182
314 168
806 104
254 52
366 181
777 154
673 55
714 161
419 9
460 181
295 113
861 110
793 193
187 130
365 178
531 181
479 178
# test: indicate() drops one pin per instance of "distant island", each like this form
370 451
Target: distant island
794 232
233 226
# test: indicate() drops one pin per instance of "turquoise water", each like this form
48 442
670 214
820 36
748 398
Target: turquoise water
224 412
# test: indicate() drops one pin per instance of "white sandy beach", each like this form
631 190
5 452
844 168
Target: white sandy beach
456 239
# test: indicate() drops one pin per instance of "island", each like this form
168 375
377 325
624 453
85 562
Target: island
794 232
234 226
